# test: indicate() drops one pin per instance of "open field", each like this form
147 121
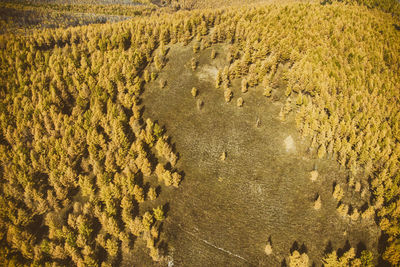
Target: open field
259 191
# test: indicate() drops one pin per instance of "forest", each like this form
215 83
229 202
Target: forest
89 176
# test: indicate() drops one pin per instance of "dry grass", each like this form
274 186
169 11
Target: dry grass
247 203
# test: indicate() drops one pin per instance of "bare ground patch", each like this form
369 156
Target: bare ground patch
262 189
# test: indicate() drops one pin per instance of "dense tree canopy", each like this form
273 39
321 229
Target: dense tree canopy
77 154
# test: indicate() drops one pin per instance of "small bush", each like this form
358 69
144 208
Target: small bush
258 122
194 91
314 175
267 91
200 104
223 156
196 47
240 102
163 83
355 215
357 187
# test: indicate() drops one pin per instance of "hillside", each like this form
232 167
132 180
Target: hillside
191 133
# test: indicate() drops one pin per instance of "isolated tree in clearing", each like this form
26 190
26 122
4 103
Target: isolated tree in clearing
317 203
240 102
228 95
194 92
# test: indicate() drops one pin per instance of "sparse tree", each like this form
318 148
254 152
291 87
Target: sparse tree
176 179
228 95
167 178
146 76
147 220
194 63
368 213
321 151
218 79
268 248
267 91
153 76
244 85
158 213
213 54
338 192
196 47
348 259
112 247
298 260
136 226
152 194
317 203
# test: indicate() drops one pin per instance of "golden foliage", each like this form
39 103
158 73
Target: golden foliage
70 113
